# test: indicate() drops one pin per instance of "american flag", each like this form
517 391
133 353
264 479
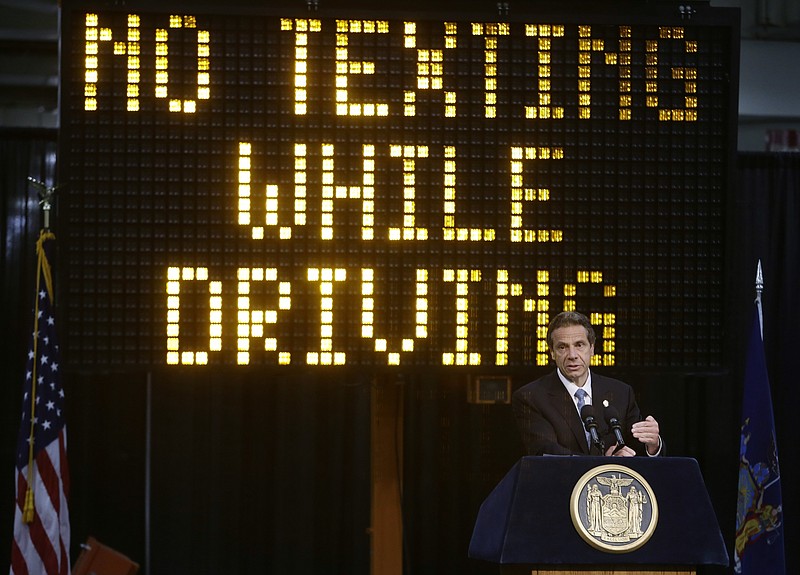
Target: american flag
41 515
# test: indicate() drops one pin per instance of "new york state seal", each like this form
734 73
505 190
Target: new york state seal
613 508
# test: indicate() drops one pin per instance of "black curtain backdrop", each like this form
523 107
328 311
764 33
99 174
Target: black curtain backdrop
258 473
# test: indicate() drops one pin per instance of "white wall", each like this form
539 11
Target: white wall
769 90
769 74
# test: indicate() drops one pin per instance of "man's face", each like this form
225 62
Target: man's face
572 352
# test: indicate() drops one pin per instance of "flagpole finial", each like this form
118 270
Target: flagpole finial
46 195
759 280
759 289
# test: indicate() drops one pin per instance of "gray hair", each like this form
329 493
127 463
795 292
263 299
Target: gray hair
568 318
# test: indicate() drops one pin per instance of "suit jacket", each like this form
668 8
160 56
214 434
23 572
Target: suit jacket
549 424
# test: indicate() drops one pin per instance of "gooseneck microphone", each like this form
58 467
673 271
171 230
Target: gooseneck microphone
612 419
590 424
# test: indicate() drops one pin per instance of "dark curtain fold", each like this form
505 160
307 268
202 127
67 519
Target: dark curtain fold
250 472
455 454
259 473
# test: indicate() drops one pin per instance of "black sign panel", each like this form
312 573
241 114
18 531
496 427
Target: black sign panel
377 188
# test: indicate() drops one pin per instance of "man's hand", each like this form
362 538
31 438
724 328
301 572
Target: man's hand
617 451
647 432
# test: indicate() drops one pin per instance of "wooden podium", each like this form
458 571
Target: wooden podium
97 559
534 521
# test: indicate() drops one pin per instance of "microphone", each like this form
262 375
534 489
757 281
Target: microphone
589 422
612 418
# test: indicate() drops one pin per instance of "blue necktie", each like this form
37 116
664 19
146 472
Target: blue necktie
581 395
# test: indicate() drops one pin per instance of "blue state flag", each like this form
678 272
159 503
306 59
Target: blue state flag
759 513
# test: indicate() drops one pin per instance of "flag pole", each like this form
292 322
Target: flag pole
46 194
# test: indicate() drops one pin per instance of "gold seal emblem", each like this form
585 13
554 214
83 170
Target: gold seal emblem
613 508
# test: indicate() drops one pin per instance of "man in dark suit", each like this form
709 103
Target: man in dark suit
547 410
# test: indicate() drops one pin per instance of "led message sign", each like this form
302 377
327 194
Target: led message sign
343 187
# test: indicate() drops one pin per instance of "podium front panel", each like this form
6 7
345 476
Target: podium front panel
527 520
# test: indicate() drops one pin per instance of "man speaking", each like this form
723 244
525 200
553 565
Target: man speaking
573 411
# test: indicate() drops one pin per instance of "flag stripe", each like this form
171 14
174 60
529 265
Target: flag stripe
43 544
64 514
24 538
49 484
18 564
64 463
